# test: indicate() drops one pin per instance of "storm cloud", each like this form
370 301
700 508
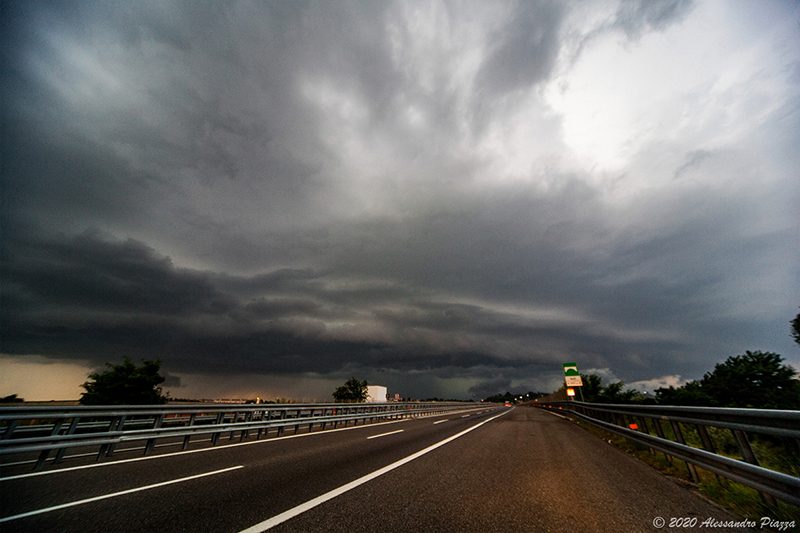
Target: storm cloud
450 198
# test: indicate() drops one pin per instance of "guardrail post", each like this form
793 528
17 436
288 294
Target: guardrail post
71 430
44 453
187 437
708 445
261 427
282 427
120 426
12 425
235 419
660 433
270 415
750 457
220 420
744 447
679 437
645 429
151 443
107 449
248 417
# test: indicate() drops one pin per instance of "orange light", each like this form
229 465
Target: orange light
634 426
570 392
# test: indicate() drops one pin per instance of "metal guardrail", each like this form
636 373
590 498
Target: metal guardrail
47 429
634 422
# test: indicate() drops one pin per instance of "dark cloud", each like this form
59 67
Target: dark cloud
87 273
636 17
93 297
388 189
491 387
524 51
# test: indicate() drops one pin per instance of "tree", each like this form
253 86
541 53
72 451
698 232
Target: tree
125 384
12 398
592 387
613 393
593 391
796 328
755 379
352 391
501 398
691 393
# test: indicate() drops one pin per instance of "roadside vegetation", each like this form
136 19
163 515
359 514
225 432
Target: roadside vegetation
754 380
757 380
782 455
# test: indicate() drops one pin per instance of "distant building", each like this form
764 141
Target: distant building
376 394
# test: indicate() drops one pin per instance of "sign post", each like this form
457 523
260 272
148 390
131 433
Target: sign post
572 377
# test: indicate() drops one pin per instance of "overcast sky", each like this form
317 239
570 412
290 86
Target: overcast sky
447 198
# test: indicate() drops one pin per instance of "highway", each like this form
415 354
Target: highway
500 469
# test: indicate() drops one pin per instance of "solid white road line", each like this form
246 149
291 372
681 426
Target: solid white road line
286 515
558 415
384 434
115 494
440 421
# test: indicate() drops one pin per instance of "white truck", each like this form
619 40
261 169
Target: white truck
376 394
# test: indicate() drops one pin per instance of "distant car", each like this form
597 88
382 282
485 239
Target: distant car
508 404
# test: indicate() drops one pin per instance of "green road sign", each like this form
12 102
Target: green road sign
572 376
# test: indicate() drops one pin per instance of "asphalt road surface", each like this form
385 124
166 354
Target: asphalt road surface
499 470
